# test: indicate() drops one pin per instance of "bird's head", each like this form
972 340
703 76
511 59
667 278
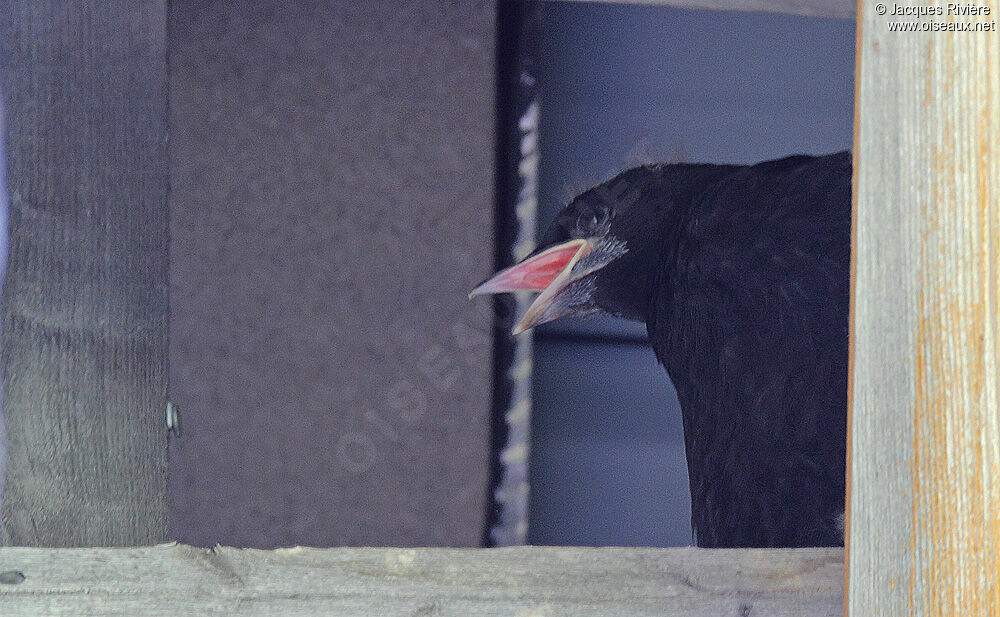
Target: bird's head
587 259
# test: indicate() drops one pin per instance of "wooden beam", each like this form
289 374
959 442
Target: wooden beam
844 9
85 302
924 522
178 580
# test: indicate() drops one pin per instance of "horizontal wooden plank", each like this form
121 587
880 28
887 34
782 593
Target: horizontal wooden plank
814 8
178 580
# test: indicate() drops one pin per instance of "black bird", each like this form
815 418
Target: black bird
741 274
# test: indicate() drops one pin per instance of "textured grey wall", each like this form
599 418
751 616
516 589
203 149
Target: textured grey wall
331 186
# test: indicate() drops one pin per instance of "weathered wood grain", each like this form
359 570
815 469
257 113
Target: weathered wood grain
85 301
924 522
179 580
813 8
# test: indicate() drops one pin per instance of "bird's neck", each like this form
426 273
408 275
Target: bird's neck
651 228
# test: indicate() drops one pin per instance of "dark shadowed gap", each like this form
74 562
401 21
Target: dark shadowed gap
517 25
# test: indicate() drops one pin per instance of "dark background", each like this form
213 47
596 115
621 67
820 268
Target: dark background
623 85
331 202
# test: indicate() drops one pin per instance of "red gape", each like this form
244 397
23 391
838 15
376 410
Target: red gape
534 274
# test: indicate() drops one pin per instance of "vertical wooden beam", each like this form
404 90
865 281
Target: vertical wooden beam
85 303
925 456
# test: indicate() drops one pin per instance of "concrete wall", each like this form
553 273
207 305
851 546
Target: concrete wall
331 174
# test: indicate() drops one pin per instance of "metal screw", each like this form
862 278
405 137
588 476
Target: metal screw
173 419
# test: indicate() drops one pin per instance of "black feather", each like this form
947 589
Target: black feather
750 320
741 274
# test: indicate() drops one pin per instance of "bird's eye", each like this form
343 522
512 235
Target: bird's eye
587 222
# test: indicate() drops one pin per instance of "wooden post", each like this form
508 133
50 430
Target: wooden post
85 301
924 520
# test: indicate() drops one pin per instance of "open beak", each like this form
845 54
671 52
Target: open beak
548 272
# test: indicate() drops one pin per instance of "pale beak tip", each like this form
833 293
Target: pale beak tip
486 288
